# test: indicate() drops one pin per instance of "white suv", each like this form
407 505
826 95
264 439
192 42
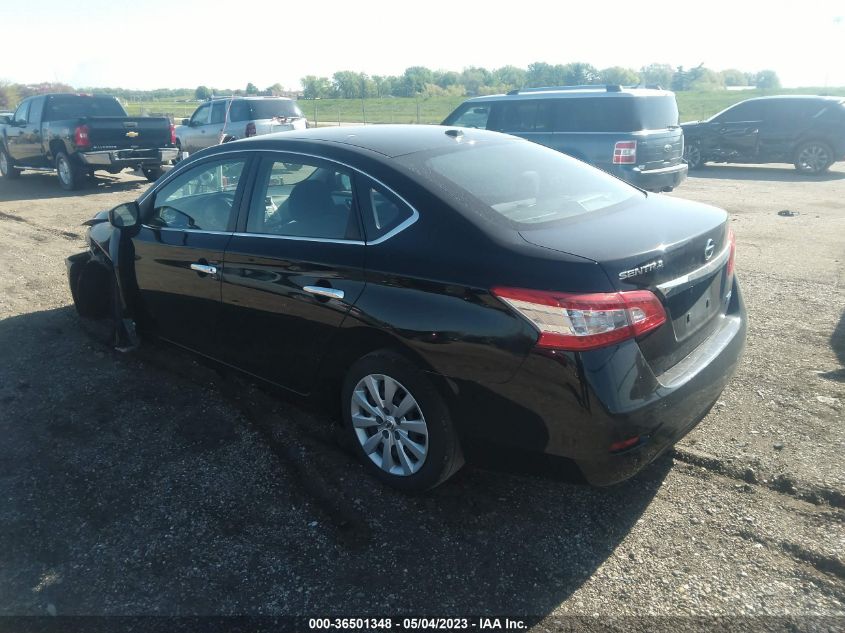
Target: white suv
223 119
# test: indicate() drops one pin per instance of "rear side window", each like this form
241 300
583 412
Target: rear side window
524 116
833 113
239 111
518 183
218 112
383 211
615 114
36 109
78 106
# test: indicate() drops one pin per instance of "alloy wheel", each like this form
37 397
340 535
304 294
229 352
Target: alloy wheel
812 158
389 424
4 163
693 155
63 168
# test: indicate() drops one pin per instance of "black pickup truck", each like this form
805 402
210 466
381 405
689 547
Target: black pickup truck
74 135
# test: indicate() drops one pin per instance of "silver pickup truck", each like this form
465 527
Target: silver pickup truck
223 119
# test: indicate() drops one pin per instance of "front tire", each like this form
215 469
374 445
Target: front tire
813 157
692 154
70 176
152 173
399 424
6 170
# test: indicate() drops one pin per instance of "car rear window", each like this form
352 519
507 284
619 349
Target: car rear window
77 106
271 108
517 183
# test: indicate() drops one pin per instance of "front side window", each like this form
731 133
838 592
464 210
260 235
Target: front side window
470 115
21 112
200 117
201 199
745 111
303 199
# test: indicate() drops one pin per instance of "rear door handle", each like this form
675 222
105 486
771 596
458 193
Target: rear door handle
205 269
322 291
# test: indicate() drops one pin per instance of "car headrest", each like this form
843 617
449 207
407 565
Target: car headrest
310 198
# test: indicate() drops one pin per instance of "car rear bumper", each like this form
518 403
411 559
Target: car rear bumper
128 157
579 405
663 179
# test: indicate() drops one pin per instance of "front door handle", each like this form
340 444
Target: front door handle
205 269
322 291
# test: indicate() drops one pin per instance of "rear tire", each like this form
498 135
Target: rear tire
6 170
813 157
398 423
152 173
70 176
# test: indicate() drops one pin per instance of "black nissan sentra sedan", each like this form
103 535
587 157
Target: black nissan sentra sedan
443 286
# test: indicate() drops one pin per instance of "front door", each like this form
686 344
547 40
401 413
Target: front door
292 271
16 138
736 131
179 251
193 137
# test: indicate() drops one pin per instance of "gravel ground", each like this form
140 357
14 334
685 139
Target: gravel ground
154 484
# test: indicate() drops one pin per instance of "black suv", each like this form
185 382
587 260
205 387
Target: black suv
807 131
632 133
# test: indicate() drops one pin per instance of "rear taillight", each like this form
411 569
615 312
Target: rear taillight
579 322
250 129
625 153
172 134
80 136
732 256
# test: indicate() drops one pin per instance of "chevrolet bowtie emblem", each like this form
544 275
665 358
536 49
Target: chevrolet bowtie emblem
132 134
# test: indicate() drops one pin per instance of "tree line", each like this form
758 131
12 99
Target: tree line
422 81
472 81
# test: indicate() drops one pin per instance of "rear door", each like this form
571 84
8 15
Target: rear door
292 270
179 250
785 121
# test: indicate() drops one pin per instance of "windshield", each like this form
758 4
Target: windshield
518 183
79 106
271 108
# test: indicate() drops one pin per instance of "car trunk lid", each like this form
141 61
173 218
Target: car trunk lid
675 248
656 150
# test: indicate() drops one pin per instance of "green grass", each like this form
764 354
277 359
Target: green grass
692 105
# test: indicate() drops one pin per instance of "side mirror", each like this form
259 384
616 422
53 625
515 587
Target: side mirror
125 216
186 121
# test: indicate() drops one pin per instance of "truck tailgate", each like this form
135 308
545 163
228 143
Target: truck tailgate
128 132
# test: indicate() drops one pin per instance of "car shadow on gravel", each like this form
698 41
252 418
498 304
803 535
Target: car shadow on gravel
41 186
154 483
762 173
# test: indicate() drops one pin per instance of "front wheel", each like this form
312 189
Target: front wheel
6 170
692 154
813 157
152 173
399 424
70 176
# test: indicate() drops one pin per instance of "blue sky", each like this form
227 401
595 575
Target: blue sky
151 43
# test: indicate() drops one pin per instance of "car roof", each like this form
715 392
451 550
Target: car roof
797 98
575 93
389 140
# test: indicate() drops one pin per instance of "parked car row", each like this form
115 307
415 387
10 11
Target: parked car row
632 133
